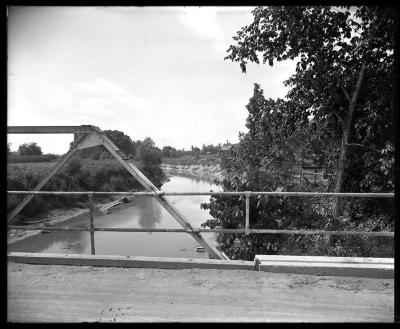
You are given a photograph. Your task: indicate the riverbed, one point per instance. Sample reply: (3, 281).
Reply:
(141, 212)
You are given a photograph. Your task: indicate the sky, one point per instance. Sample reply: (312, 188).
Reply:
(154, 72)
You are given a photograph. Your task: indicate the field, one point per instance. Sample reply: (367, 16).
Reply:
(42, 168)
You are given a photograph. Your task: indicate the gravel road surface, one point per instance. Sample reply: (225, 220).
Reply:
(59, 293)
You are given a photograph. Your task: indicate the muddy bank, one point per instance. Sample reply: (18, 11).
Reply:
(201, 171)
(57, 216)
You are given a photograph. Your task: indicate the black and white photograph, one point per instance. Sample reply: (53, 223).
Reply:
(192, 164)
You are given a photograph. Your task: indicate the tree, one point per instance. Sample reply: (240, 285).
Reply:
(29, 149)
(264, 159)
(344, 72)
(196, 152)
(147, 152)
(150, 156)
(122, 141)
(169, 152)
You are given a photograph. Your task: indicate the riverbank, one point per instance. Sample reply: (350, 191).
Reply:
(202, 171)
(57, 216)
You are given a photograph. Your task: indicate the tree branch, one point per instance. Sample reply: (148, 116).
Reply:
(360, 145)
(345, 93)
(339, 117)
(269, 163)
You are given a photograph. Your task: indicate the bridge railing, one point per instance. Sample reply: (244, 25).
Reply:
(246, 230)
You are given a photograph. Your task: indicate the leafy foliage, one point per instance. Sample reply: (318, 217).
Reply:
(150, 156)
(263, 160)
(343, 86)
(29, 149)
(266, 159)
(331, 54)
(122, 141)
(169, 152)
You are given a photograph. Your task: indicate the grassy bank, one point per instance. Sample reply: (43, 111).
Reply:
(77, 175)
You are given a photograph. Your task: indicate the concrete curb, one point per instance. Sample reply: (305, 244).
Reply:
(380, 268)
(127, 261)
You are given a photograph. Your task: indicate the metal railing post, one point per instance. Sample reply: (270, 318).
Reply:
(92, 249)
(247, 227)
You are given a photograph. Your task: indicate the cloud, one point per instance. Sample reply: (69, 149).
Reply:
(203, 22)
(106, 93)
(101, 98)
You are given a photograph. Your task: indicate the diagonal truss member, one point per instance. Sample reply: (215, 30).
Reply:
(89, 136)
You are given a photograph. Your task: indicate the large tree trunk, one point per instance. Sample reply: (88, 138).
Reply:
(345, 141)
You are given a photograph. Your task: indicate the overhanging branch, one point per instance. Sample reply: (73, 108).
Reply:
(360, 145)
(339, 117)
(345, 93)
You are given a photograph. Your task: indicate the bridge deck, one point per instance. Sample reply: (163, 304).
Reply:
(60, 293)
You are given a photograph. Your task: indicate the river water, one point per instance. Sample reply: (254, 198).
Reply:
(141, 212)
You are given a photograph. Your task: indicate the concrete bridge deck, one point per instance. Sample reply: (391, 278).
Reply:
(62, 293)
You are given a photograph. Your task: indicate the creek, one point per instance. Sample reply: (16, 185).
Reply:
(141, 212)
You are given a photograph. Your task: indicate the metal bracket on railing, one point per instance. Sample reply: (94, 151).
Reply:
(91, 205)
(158, 193)
(247, 227)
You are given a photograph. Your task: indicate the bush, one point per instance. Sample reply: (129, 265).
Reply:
(29, 149)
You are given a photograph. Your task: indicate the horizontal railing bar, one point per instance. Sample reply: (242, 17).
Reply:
(237, 231)
(309, 194)
(118, 229)
(80, 193)
(28, 228)
(49, 129)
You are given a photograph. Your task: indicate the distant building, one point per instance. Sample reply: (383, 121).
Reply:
(226, 146)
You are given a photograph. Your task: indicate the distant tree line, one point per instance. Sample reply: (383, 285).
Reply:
(171, 152)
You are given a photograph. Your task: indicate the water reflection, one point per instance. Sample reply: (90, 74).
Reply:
(149, 212)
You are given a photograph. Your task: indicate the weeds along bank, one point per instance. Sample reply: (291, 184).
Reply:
(78, 175)
(206, 171)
